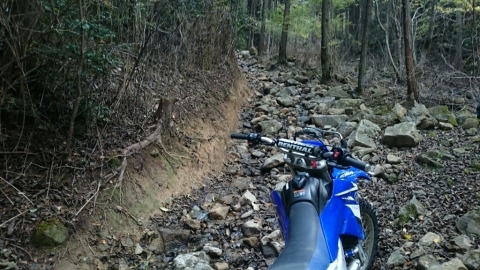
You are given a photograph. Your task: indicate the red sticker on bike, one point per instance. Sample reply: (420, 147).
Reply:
(299, 193)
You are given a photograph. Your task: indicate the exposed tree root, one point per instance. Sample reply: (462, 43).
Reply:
(164, 115)
(156, 136)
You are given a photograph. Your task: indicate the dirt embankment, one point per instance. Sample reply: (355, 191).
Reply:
(153, 177)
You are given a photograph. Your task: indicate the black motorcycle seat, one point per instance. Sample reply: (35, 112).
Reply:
(306, 245)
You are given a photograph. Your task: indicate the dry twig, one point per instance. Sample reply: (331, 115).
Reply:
(93, 196)
(14, 218)
(19, 192)
(31, 258)
(6, 196)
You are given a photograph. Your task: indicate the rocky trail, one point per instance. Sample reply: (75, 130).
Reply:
(426, 198)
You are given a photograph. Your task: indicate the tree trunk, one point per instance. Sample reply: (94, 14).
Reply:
(412, 91)
(262, 43)
(458, 62)
(251, 12)
(474, 34)
(282, 55)
(397, 35)
(325, 51)
(363, 54)
(79, 79)
(360, 20)
(387, 41)
(431, 26)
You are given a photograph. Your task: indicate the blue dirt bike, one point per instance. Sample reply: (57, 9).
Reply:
(324, 223)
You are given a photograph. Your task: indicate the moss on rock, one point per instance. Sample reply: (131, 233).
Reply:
(50, 232)
(442, 114)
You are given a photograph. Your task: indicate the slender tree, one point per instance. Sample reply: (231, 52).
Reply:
(431, 26)
(79, 78)
(474, 34)
(325, 56)
(363, 55)
(458, 62)
(282, 55)
(262, 43)
(387, 39)
(412, 91)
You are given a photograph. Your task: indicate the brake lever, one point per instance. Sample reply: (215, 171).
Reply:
(314, 131)
(309, 131)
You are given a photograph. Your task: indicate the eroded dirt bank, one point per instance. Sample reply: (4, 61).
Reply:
(154, 178)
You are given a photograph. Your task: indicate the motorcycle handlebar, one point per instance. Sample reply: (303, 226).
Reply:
(348, 160)
(257, 138)
(239, 136)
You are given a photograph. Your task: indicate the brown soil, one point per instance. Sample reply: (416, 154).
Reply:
(150, 181)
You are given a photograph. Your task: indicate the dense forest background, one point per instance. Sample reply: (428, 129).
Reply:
(89, 75)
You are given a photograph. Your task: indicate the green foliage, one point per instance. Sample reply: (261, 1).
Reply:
(305, 19)
(117, 36)
(303, 22)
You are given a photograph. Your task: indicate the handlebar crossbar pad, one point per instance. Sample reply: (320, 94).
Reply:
(297, 146)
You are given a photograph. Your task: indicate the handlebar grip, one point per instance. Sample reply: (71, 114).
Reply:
(239, 136)
(355, 163)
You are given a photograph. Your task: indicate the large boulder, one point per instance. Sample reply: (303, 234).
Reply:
(382, 115)
(399, 111)
(50, 232)
(346, 128)
(402, 135)
(321, 105)
(270, 127)
(470, 123)
(274, 161)
(472, 259)
(443, 114)
(337, 92)
(301, 79)
(331, 120)
(365, 135)
(382, 121)
(286, 92)
(453, 264)
(174, 238)
(285, 101)
(252, 227)
(470, 223)
(420, 115)
(272, 244)
(348, 103)
(411, 210)
(463, 114)
(195, 260)
(264, 108)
